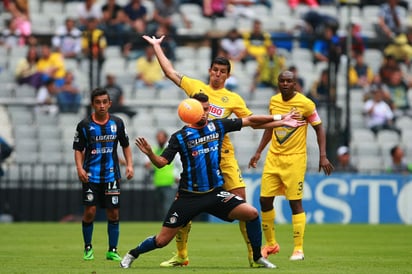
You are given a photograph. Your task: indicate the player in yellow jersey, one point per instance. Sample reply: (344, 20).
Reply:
(222, 104)
(285, 165)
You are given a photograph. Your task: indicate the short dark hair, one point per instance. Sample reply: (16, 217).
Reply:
(201, 97)
(97, 92)
(220, 60)
(393, 149)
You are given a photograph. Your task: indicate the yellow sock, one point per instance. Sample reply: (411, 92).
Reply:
(268, 226)
(242, 226)
(181, 240)
(298, 224)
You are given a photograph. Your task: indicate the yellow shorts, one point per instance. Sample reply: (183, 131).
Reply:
(231, 173)
(283, 175)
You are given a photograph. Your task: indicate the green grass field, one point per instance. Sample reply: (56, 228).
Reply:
(213, 248)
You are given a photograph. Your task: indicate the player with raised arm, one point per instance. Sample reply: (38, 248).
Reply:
(200, 186)
(285, 165)
(223, 104)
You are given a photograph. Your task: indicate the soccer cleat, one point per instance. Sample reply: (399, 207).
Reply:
(262, 263)
(267, 250)
(175, 261)
(113, 255)
(88, 254)
(127, 260)
(297, 256)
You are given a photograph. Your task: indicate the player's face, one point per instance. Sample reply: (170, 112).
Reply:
(218, 75)
(101, 104)
(206, 108)
(287, 84)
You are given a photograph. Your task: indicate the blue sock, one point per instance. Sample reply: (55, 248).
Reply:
(254, 233)
(147, 245)
(87, 229)
(113, 232)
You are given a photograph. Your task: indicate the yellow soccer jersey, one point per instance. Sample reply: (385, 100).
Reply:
(222, 104)
(287, 140)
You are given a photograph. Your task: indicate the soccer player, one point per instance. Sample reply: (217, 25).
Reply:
(95, 152)
(200, 187)
(223, 103)
(285, 165)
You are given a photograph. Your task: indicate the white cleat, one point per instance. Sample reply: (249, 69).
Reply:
(127, 261)
(263, 263)
(297, 256)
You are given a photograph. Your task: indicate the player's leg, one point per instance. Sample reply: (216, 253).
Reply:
(250, 216)
(164, 237)
(294, 179)
(90, 198)
(271, 186)
(235, 184)
(298, 225)
(111, 203)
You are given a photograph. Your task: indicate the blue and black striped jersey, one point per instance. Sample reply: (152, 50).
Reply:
(199, 151)
(99, 142)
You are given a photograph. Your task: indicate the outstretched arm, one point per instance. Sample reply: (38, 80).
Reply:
(269, 121)
(166, 65)
(145, 147)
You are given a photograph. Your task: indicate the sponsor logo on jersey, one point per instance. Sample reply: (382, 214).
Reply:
(216, 111)
(102, 150)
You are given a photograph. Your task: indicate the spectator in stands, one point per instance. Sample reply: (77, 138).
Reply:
(320, 89)
(68, 96)
(391, 21)
(20, 18)
(136, 16)
(378, 113)
(256, 41)
(294, 3)
(234, 45)
(240, 9)
(269, 67)
(88, 9)
(357, 41)
(51, 65)
(344, 161)
(398, 163)
(46, 98)
(327, 48)
(361, 74)
(300, 82)
(389, 65)
(400, 49)
(117, 96)
(214, 8)
(26, 69)
(11, 36)
(164, 14)
(396, 93)
(114, 22)
(67, 39)
(149, 72)
(93, 46)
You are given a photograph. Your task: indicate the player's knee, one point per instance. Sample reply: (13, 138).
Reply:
(265, 204)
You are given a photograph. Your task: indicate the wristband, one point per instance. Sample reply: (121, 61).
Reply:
(277, 117)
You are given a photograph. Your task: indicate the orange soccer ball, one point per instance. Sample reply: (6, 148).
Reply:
(190, 111)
